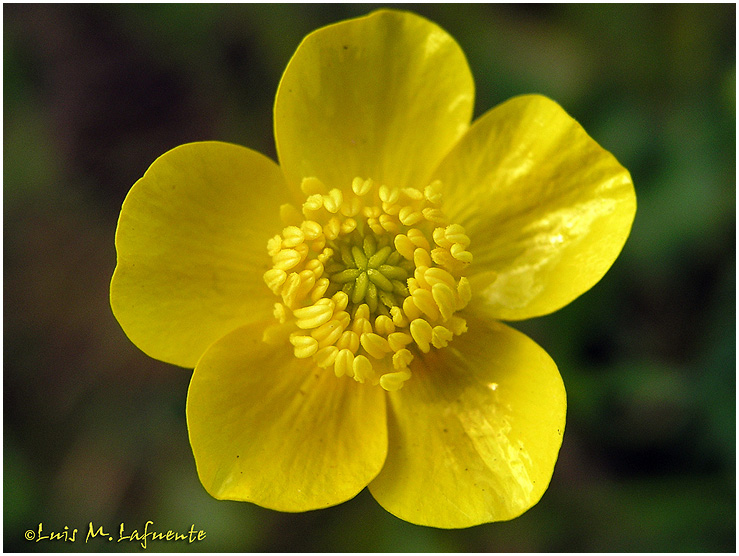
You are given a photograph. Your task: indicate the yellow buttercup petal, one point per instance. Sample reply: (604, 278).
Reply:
(341, 311)
(383, 96)
(473, 438)
(269, 428)
(547, 209)
(191, 243)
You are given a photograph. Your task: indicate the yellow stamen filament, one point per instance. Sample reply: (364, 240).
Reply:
(370, 277)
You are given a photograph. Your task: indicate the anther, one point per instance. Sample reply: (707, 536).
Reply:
(440, 336)
(344, 363)
(422, 332)
(455, 234)
(432, 192)
(361, 187)
(409, 216)
(274, 279)
(326, 357)
(313, 202)
(424, 300)
(394, 381)
(292, 236)
(444, 298)
(458, 252)
(274, 245)
(375, 345)
(314, 315)
(412, 193)
(319, 289)
(286, 259)
(305, 346)
(418, 238)
(362, 369)
(311, 230)
(333, 201)
(398, 340)
(404, 246)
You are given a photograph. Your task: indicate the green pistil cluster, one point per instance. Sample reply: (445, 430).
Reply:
(369, 273)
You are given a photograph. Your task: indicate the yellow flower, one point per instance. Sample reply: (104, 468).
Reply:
(342, 310)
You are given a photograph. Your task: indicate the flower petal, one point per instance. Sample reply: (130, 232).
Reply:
(268, 428)
(192, 248)
(383, 96)
(547, 209)
(474, 435)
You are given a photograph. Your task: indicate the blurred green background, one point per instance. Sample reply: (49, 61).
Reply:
(95, 431)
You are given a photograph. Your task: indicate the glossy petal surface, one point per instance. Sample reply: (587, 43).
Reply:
(547, 209)
(191, 245)
(382, 97)
(269, 428)
(474, 436)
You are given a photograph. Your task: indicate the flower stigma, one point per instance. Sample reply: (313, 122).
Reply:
(369, 278)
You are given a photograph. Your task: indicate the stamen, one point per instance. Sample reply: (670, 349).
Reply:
(440, 336)
(314, 315)
(326, 357)
(394, 381)
(375, 345)
(344, 363)
(421, 332)
(305, 346)
(362, 369)
(286, 259)
(432, 192)
(361, 283)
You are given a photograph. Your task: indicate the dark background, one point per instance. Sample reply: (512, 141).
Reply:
(95, 431)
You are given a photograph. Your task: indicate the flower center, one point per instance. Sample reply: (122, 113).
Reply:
(367, 272)
(370, 277)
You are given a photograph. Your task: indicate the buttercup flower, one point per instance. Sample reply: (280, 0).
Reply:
(342, 310)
